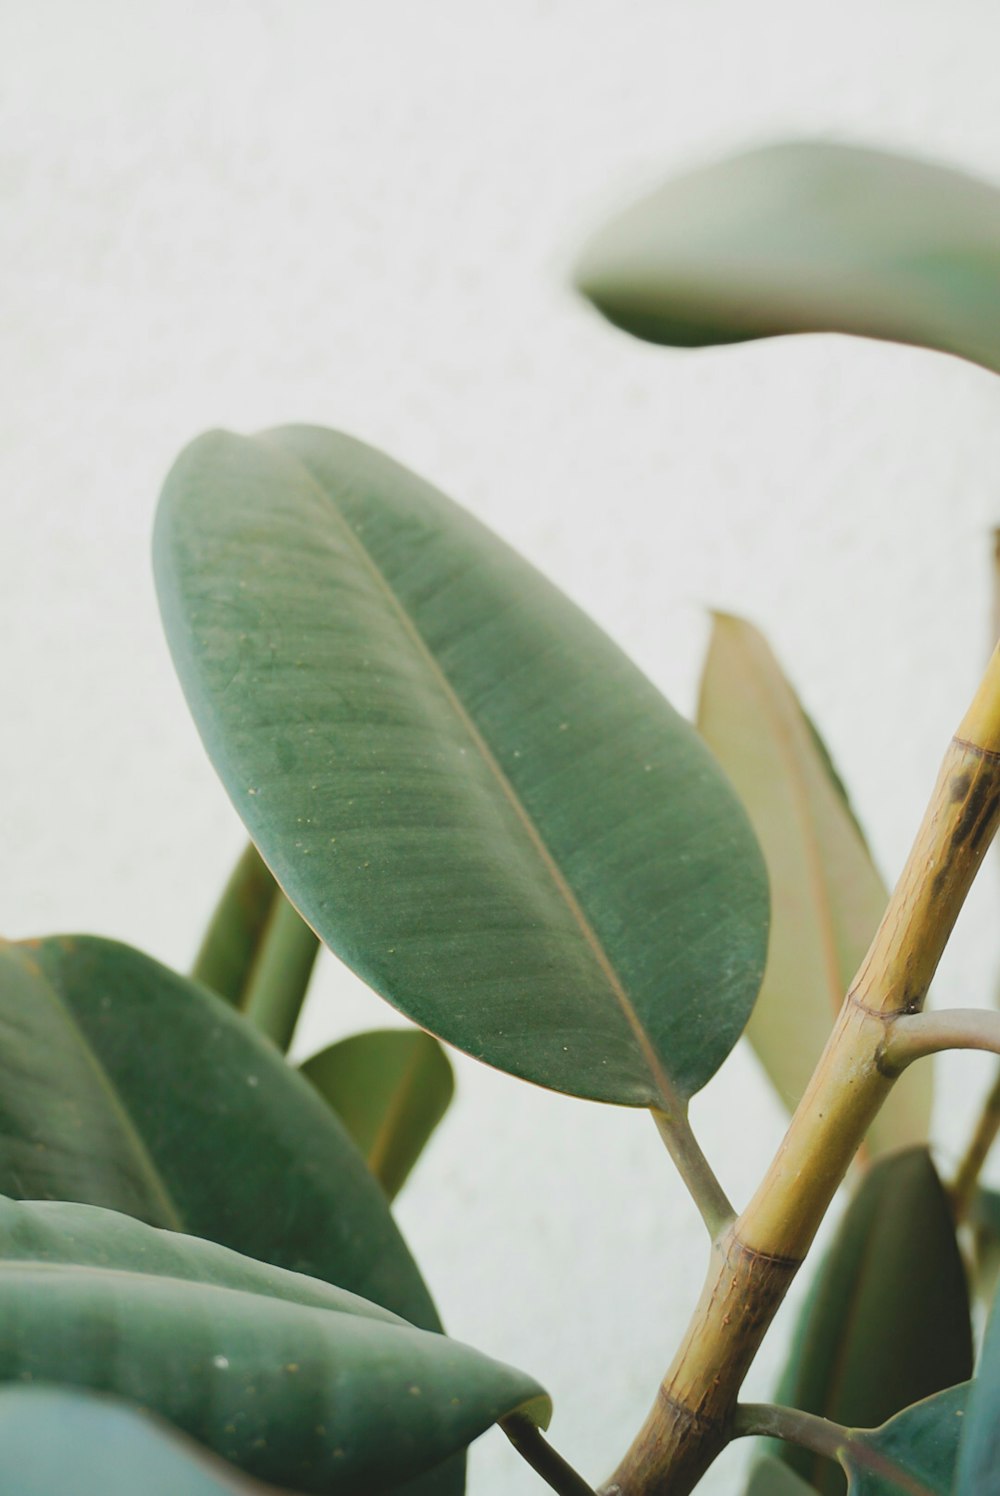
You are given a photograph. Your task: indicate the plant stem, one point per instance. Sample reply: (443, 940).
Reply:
(696, 1172)
(914, 1036)
(967, 1175)
(531, 1445)
(791, 1424)
(755, 1259)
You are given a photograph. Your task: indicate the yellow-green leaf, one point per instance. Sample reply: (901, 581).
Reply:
(390, 1088)
(826, 894)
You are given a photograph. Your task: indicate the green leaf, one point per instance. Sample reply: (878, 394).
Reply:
(127, 1086)
(806, 237)
(826, 895)
(914, 1453)
(978, 1472)
(293, 1380)
(770, 1477)
(258, 953)
(887, 1320)
(464, 787)
(390, 1088)
(55, 1442)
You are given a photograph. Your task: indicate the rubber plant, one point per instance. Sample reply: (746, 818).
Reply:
(457, 783)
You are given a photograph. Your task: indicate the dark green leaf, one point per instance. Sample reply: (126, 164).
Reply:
(978, 1471)
(56, 1442)
(124, 1085)
(770, 1477)
(826, 895)
(467, 790)
(258, 953)
(293, 1380)
(914, 1453)
(806, 237)
(887, 1321)
(390, 1088)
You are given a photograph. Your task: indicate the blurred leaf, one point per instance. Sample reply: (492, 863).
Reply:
(127, 1086)
(390, 1088)
(258, 953)
(978, 1472)
(826, 896)
(467, 790)
(984, 1218)
(806, 236)
(293, 1380)
(914, 1453)
(770, 1477)
(56, 1442)
(887, 1320)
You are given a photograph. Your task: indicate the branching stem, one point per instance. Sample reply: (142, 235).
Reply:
(532, 1446)
(914, 1036)
(755, 1259)
(792, 1425)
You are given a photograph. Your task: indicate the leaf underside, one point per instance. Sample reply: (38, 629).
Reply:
(806, 236)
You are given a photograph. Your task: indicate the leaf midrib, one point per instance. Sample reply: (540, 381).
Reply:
(669, 1097)
(133, 1138)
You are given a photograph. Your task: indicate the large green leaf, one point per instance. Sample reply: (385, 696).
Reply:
(390, 1088)
(978, 1471)
(124, 1085)
(293, 1380)
(914, 1453)
(464, 787)
(806, 237)
(887, 1321)
(826, 895)
(57, 1442)
(258, 953)
(770, 1477)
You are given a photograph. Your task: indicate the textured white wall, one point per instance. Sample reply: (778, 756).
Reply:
(361, 215)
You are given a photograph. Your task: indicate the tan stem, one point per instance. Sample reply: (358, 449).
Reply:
(755, 1258)
(963, 1188)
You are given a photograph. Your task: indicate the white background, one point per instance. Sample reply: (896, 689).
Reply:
(362, 215)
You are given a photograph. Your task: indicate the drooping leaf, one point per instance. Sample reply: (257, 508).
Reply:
(806, 236)
(978, 1472)
(887, 1320)
(124, 1085)
(58, 1442)
(914, 1453)
(390, 1088)
(771, 1477)
(466, 789)
(295, 1381)
(258, 953)
(826, 895)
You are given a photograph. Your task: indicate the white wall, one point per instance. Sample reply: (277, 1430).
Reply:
(361, 215)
